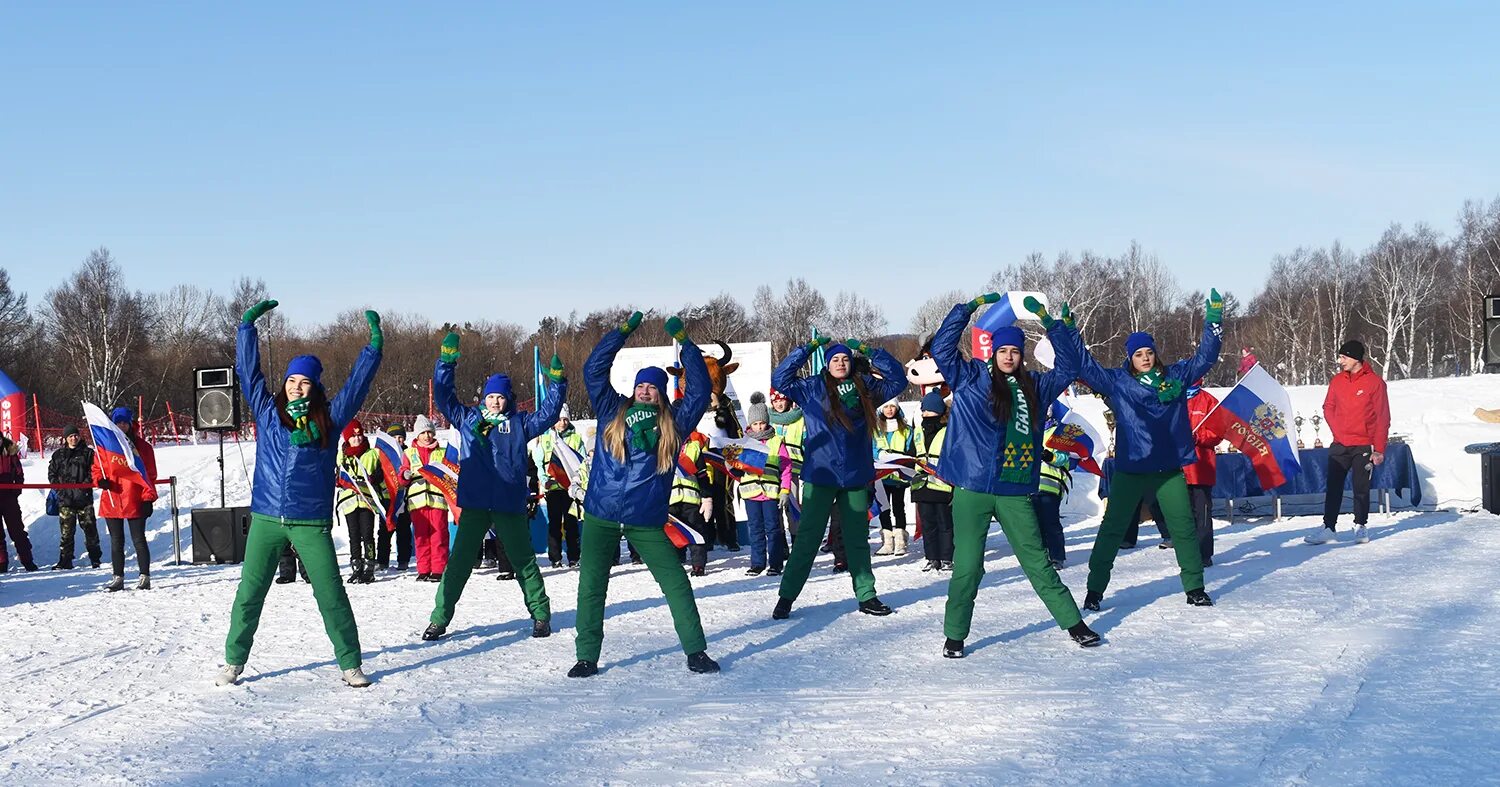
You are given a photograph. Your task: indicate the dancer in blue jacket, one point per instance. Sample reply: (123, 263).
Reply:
(493, 489)
(291, 499)
(634, 460)
(1153, 442)
(838, 407)
(992, 456)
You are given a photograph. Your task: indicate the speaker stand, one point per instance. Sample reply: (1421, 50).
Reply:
(221, 468)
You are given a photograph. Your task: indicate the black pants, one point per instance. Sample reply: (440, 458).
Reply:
(562, 527)
(1201, 500)
(1345, 461)
(725, 527)
(10, 512)
(403, 543)
(117, 544)
(836, 537)
(937, 531)
(290, 565)
(361, 522)
(897, 507)
(1133, 532)
(69, 521)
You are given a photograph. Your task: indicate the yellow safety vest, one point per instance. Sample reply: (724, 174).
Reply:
(791, 435)
(419, 492)
(363, 468)
(547, 444)
(930, 454)
(684, 484)
(769, 483)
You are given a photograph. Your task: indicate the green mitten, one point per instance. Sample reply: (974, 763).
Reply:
(1213, 311)
(258, 310)
(989, 297)
(631, 323)
(555, 369)
(676, 329)
(448, 352)
(377, 339)
(1067, 316)
(1035, 307)
(821, 341)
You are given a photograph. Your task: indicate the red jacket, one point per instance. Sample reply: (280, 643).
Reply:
(1208, 430)
(1357, 410)
(126, 498)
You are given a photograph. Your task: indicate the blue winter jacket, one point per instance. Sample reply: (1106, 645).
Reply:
(976, 440)
(1151, 437)
(494, 479)
(295, 483)
(632, 493)
(833, 456)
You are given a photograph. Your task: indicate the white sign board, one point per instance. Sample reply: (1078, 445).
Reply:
(753, 373)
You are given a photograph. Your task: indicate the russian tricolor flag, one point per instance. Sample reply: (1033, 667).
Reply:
(441, 471)
(116, 454)
(393, 462)
(680, 534)
(1261, 412)
(1003, 313)
(1077, 436)
(566, 465)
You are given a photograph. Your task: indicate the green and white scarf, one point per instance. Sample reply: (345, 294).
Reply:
(1019, 453)
(1166, 388)
(848, 394)
(640, 420)
(305, 431)
(488, 422)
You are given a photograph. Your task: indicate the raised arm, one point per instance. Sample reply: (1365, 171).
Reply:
(892, 372)
(536, 424)
(352, 396)
(945, 344)
(602, 396)
(1191, 370)
(1065, 366)
(785, 378)
(689, 410)
(247, 364)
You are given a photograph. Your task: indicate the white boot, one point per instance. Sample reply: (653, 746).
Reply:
(1320, 535)
(355, 678)
(887, 542)
(900, 547)
(1361, 535)
(229, 675)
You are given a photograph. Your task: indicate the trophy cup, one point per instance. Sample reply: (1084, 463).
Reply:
(1317, 436)
(1298, 421)
(1109, 418)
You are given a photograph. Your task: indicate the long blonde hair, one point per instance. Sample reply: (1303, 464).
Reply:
(666, 447)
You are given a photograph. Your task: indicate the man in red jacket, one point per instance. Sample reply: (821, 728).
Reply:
(1207, 421)
(1360, 417)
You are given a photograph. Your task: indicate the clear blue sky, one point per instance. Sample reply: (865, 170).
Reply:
(507, 160)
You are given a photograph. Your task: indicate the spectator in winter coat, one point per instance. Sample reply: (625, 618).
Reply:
(1154, 442)
(893, 436)
(11, 472)
(562, 525)
(1247, 360)
(691, 501)
(763, 493)
(1052, 488)
(1359, 416)
(635, 457)
(73, 464)
(838, 406)
(933, 495)
(127, 501)
(427, 505)
(291, 498)
(495, 481)
(992, 456)
(358, 497)
(1208, 425)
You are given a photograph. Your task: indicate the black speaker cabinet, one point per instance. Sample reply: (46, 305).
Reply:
(219, 534)
(216, 399)
(1489, 481)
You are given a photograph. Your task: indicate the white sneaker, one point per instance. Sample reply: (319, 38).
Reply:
(1320, 535)
(356, 678)
(1360, 535)
(229, 675)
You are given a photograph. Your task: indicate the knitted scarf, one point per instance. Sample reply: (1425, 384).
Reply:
(848, 394)
(766, 434)
(487, 422)
(787, 418)
(1166, 388)
(305, 431)
(640, 419)
(1019, 453)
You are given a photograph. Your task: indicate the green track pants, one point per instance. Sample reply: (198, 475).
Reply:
(514, 534)
(314, 545)
(1126, 491)
(600, 543)
(817, 505)
(971, 523)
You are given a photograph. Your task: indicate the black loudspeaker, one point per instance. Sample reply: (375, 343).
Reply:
(219, 534)
(216, 399)
(1489, 481)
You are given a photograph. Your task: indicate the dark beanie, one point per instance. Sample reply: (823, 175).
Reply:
(1353, 348)
(70, 430)
(933, 403)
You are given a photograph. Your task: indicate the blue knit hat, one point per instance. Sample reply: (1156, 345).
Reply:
(933, 403)
(122, 415)
(1009, 336)
(655, 375)
(498, 384)
(1137, 341)
(835, 349)
(308, 366)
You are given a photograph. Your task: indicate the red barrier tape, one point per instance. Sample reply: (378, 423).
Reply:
(159, 482)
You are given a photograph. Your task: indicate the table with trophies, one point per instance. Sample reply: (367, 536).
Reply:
(1236, 477)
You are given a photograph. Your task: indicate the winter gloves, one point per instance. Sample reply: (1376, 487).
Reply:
(257, 311)
(857, 346)
(448, 352)
(1035, 307)
(1066, 316)
(631, 323)
(989, 297)
(821, 341)
(676, 329)
(554, 370)
(1213, 311)
(377, 339)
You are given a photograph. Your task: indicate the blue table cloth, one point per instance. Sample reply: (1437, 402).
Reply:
(1236, 478)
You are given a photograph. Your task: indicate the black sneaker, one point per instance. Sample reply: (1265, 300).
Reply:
(873, 606)
(635, 561)
(572, 564)
(434, 632)
(1198, 598)
(1165, 544)
(284, 579)
(946, 565)
(931, 565)
(145, 583)
(1207, 562)
(953, 648)
(840, 567)
(63, 567)
(354, 579)
(1084, 636)
(29, 566)
(541, 628)
(700, 662)
(773, 572)
(505, 575)
(697, 571)
(1091, 601)
(584, 669)
(783, 609)
(754, 572)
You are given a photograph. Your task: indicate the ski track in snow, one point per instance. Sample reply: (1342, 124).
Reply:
(1341, 664)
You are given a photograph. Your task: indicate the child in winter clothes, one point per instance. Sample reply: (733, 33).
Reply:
(401, 529)
(12, 472)
(630, 480)
(357, 499)
(426, 505)
(691, 501)
(838, 406)
(993, 459)
(126, 502)
(73, 464)
(1154, 441)
(933, 495)
(291, 499)
(494, 483)
(1052, 489)
(893, 436)
(763, 493)
(562, 525)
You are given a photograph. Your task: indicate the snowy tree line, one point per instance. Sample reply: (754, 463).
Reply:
(1414, 297)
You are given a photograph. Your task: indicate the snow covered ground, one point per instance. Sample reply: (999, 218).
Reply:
(1341, 664)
